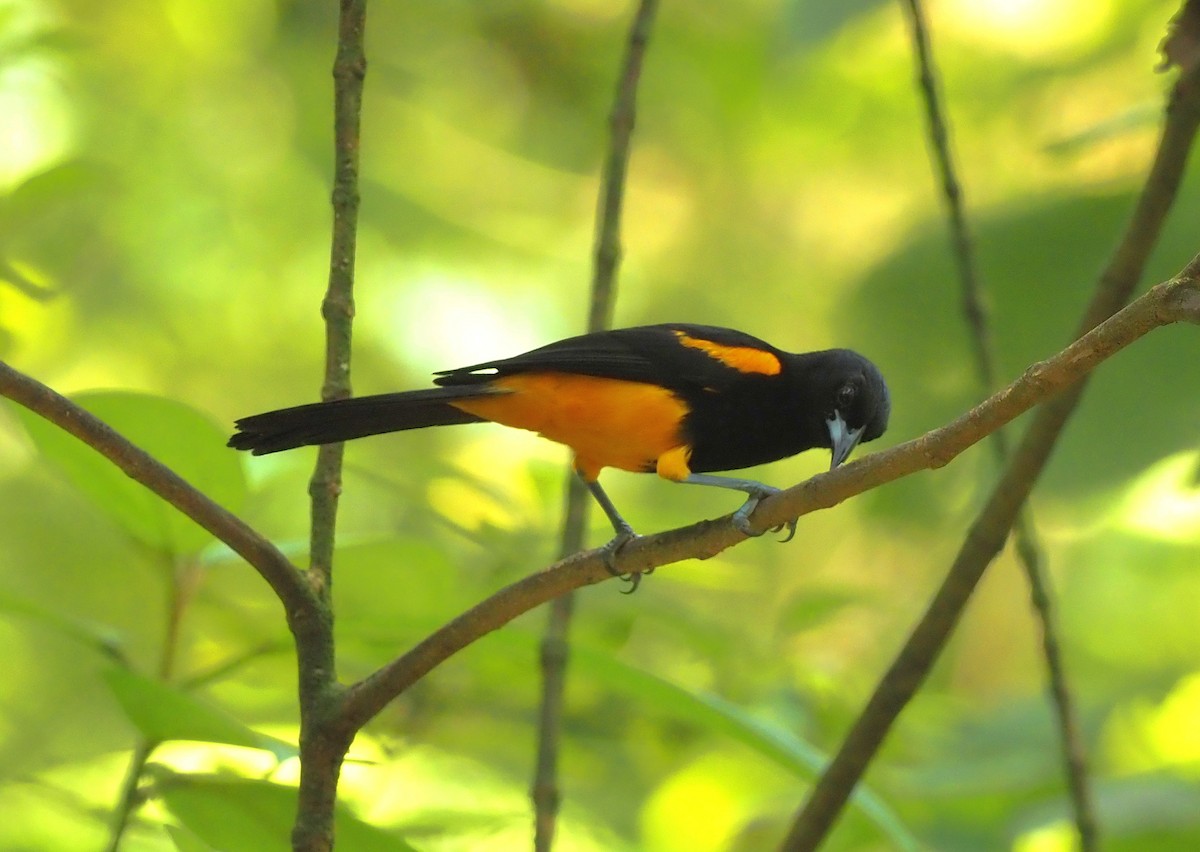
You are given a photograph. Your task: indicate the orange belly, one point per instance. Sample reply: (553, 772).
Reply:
(606, 422)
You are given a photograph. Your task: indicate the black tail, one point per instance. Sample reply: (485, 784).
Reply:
(344, 419)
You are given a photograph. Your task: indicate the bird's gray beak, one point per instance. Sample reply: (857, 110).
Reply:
(842, 439)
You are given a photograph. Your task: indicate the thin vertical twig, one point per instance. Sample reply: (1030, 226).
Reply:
(1029, 553)
(554, 651)
(129, 798)
(337, 307)
(616, 166)
(186, 576)
(991, 528)
(323, 743)
(545, 792)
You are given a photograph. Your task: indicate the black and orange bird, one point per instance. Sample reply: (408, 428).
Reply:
(677, 400)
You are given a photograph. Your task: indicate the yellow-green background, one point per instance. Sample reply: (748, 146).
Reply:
(164, 171)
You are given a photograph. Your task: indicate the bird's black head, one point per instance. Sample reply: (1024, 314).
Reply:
(852, 397)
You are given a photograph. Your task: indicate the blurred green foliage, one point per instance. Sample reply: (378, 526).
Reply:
(164, 182)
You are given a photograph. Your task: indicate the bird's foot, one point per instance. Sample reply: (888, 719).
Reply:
(609, 553)
(791, 530)
(741, 518)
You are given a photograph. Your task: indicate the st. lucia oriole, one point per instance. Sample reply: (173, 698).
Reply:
(677, 400)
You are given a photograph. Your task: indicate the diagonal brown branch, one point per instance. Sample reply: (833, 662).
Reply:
(990, 530)
(1029, 552)
(264, 557)
(1173, 301)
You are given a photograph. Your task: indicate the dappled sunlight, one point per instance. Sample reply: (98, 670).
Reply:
(36, 328)
(1031, 29)
(470, 508)
(38, 129)
(1164, 503)
(500, 462)
(1171, 727)
(1058, 836)
(850, 222)
(405, 786)
(433, 319)
(221, 31)
(1147, 735)
(185, 757)
(696, 809)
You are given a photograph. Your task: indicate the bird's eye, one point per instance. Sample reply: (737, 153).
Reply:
(845, 396)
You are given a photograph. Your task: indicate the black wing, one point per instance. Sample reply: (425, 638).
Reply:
(654, 354)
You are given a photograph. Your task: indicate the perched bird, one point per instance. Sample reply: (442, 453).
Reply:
(675, 399)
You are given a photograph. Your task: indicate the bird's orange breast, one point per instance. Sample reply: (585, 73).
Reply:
(606, 422)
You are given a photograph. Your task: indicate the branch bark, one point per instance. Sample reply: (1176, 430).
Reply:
(323, 744)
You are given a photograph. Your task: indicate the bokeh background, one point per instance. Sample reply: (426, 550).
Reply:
(164, 170)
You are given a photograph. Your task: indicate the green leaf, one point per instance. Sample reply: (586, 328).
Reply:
(1114, 125)
(239, 814)
(721, 717)
(813, 609)
(162, 712)
(179, 436)
(186, 841)
(99, 637)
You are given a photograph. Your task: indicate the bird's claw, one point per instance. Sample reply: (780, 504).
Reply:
(741, 518)
(791, 530)
(609, 554)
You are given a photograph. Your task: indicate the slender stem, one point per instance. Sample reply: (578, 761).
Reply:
(612, 194)
(186, 576)
(555, 644)
(323, 743)
(990, 529)
(129, 799)
(973, 302)
(1029, 552)
(337, 307)
(1074, 754)
(555, 648)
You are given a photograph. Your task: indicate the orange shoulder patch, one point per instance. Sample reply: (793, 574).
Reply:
(744, 359)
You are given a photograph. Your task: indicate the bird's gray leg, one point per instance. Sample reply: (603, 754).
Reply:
(758, 491)
(624, 535)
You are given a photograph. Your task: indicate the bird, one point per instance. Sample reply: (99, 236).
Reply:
(677, 399)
